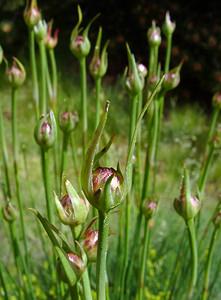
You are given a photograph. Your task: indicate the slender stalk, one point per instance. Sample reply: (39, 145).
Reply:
(102, 255)
(144, 260)
(34, 75)
(3, 283)
(46, 179)
(54, 78)
(194, 256)
(83, 75)
(168, 53)
(98, 101)
(86, 286)
(208, 264)
(215, 116)
(74, 292)
(42, 102)
(63, 156)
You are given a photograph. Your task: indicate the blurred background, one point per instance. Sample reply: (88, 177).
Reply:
(197, 38)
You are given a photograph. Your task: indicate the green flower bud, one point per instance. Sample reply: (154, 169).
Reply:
(186, 205)
(16, 73)
(90, 243)
(172, 79)
(168, 26)
(51, 40)
(216, 100)
(45, 131)
(99, 62)
(41, 30)
(9, 212)
(1, 54)
(153, 35)
(32, 14)
(72, 210)
(68, 121)
(134, 80)
(149, 208)
(152, 82)
(79, 43)
(217, 219)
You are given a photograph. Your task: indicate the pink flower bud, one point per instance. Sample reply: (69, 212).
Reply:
(16, 73)
(90, 243)
(101, 175)
(32, 14)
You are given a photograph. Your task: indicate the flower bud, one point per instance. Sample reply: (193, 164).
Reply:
(186, 205)
(153, 35)
(102, 174)
(90, 243)
(172, 79)
(152, 82)
(68, 121)
(149, 208)
(9, 212)
(217, 219)
(16, 73)
(32, 14)
(1, 54)
(99, 62)
(51, 40)
(168, 26)
(142, 70)
(41, 30)
(217, 100)
(78, 264)
(72, 210)
(45, 131)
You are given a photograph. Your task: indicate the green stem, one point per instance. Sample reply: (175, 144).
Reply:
(3, 283)
(74, 292)
(194, 256)
(46, 179)
(98, 101)
(63, 156)
(168, 53)
(54, 78)
(208, 264)
(144, 260)
(102, 255)
(215, 116)
(42, 102)
(84, 101)
(34, 75)
(86, 286)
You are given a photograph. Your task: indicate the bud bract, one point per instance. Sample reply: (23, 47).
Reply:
(68, 121)
(172, 79)
(168, 26)
(51, 40)
(45, 131)
(153, 35)
(9, 212)
(16, 73)
(149, 208)
(217, 100)
(186, 205)
(72, 209)
(40, 30)
(32, 14)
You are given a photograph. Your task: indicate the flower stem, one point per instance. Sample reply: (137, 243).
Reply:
(63, 156)
(208, 264)
(98, 101)
(168, 53)
(194, 256)
(86, 286)
(84, 100)
(102, 255)
(54, 78)
(213, 124)
(42, 103)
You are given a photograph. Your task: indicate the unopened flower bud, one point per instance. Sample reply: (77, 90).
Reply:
(217, 100)
(32, 14)
(80, 46)
(217, 219)
(142, 70)
(152, 82)
(1, 54)
(90, 243)
(68, 121)
(41, 30)
(72, 209)
(186, 205)
(9, 212)
(16, 73)
(45, 131)
(168, 26)
(101, 175)
(51, 40)
(153, 35)
(149, 208)
(172, 78)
